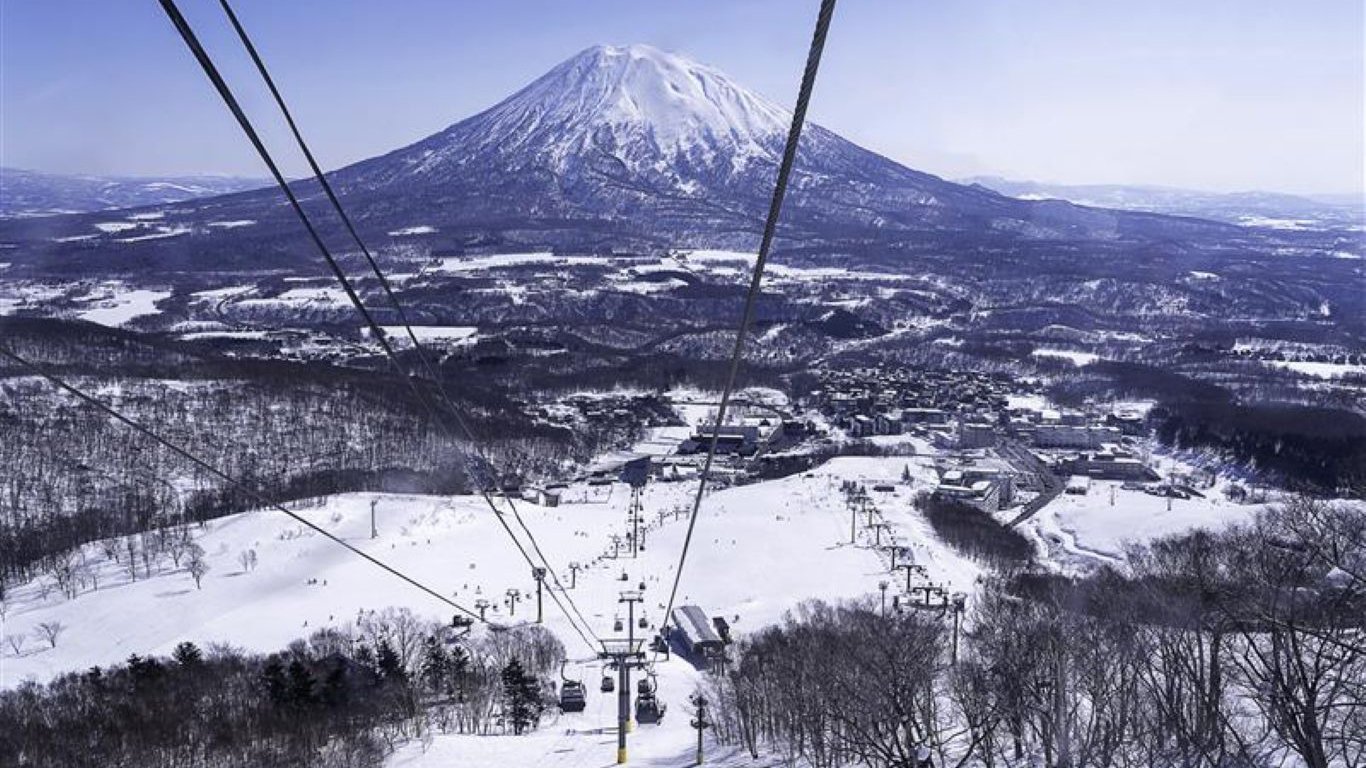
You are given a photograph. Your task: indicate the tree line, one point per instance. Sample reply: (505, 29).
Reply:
(1239, 648)
(287, 431)
(342, 698)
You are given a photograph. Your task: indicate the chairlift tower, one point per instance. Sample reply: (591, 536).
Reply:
(911, 568)
(959, 602)
(625, 654)
(878, 528)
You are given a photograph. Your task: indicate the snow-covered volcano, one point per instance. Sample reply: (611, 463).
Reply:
(635, 103)
(608, 127)
(624, 147)
(658, 143)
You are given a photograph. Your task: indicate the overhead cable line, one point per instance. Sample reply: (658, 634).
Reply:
(225, 92)
(331, 195)
(211, 70)
(186, 454)
(384, 282)
(813, 60)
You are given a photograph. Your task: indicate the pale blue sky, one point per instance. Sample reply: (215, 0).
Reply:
(1212, 94)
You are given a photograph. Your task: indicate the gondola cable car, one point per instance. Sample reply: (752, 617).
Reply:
(648, 708)
(573, 695)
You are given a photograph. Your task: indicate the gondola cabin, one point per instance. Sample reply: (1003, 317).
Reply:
(573, 698)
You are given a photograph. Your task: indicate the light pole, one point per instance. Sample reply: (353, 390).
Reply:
(700, 722)
(882, 587)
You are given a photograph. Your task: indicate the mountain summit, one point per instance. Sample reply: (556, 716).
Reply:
(599, 133)
(635, 103)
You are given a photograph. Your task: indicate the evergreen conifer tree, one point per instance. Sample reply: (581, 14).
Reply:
(273, 676)
(300, 684)
(390, 667)
(521, 697)
(187, 654)
(435, 665)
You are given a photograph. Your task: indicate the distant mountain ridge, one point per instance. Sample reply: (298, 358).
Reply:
(1256, 207)
(34, 193)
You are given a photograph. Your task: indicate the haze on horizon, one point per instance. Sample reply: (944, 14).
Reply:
(1225, 95)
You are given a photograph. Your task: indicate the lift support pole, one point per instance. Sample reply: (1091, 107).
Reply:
(624, 659)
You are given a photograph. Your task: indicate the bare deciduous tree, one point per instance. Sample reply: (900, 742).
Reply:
(196, 564)
(50, 631)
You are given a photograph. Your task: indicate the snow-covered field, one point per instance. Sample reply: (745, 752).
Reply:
(758, 551)
(1077, 358)
(1083, 530)
(458, 264)
(115, 305)
(447, 335)
(1319, 370)
(421, 229)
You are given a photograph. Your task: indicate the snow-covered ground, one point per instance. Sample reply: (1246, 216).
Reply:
(322, 297)
(751, 561)
(1078, 358)
(1319, 370)
(446, 335)
(420, 229)
(1084, 530)
(114, 305)
(758, 550)
(459, 264)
